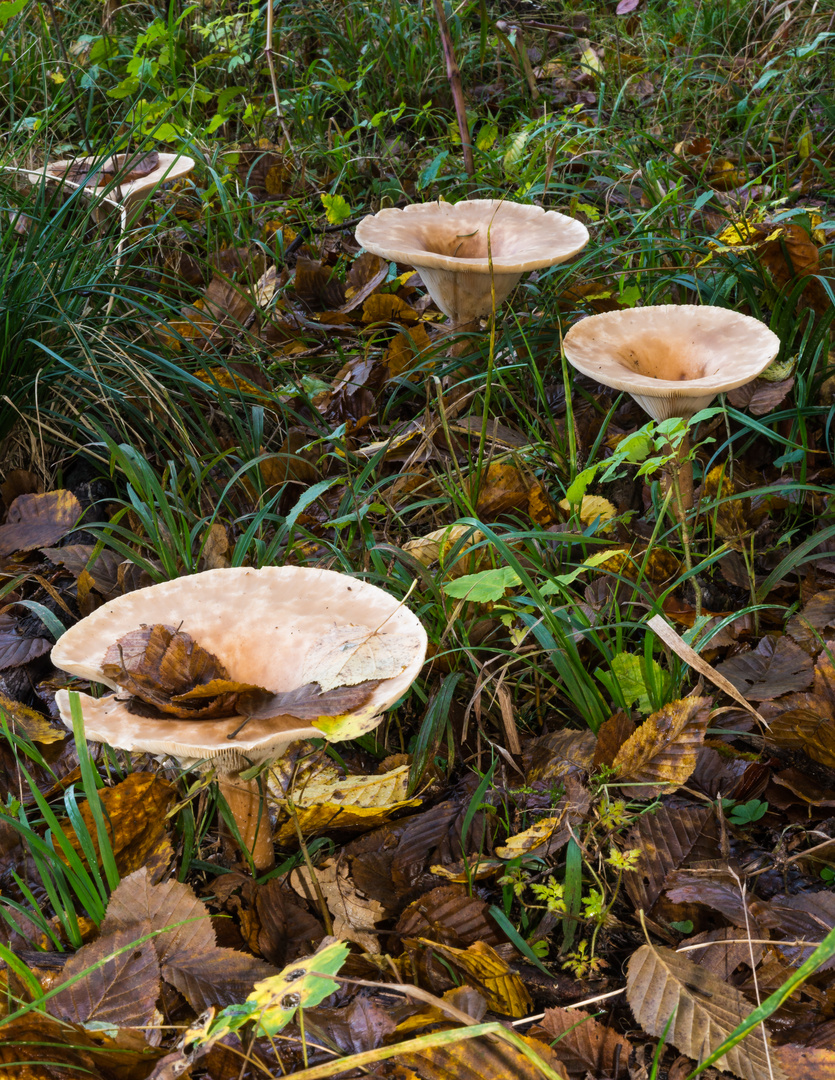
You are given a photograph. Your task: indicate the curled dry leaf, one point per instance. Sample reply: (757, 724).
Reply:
(166, 668)
(354, 914)
(15, 649)
(662, 984)
(772, 669)
(662, 753)
(94, 171)
(665, 839)
(450, 916)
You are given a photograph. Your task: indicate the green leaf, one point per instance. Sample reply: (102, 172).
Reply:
(337, 209)
(558, 582)
(11, 8)
(577, 488)
(487, 135)
(296, 987)
(629, 672)
(485, 587)
(431, 171)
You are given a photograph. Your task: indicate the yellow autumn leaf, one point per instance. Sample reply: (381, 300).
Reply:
(593, 507)
(482, 966)
(437, 545)
(385, 307)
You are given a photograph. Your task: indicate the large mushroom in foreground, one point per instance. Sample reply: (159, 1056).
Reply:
(673, 359)
(302, 653)
(468, 250)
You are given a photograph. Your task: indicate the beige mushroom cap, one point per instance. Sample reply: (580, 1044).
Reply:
(260, 624)
(447, 242)
(170, 167)
(673, 359)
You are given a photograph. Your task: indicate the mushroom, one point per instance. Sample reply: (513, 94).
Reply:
(673, 360)
(106, 182)
(454, 244)
(269, 627)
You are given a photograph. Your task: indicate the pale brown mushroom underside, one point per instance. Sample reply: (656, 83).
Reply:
(673, 359)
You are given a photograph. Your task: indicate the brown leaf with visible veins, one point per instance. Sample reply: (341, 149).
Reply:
(770, 670)
(816, 622)
(122, 990)
(163, 667)
(36, 521)
(664, 988)
(306, 702)
(36, 1046)
(585, 1045)
(478, 1059)
(807, 1062)
(662, 753)
(450, 916)
(15, 649)
(611, 736)
(665, 839)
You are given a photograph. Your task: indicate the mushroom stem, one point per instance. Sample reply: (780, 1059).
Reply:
(245, 801)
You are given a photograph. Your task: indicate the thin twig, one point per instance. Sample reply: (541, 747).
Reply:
(268, 52)
(454, 76)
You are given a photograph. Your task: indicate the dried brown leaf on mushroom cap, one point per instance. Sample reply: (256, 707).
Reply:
(95, 171)
(261, 624)
(672, 358)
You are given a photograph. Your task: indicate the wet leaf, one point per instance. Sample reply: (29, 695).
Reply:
(808, 1062)
(29, 722)
(770, 670)
(662, 753)
(815, 623)
(36, 521)
(661, 984)
(348, 655)
(611, 736)
(121, 990)
(585, 1045)
(386, 308)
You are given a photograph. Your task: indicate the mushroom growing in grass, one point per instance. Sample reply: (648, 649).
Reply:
(123, 178)
(226, 668)
(673, 360)
(468, 250)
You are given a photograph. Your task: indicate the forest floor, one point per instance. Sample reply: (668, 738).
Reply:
(593, 835)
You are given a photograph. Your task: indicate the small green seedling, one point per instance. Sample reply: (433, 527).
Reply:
(744, 813)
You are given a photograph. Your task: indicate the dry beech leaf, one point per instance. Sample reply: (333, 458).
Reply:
(15, 649)
(585, 1045)
(135, 811)
(36, 521)
(161, 666)
(808, 730)
(188, 955)
(551, 758)
(661, 984)
(481, 965)
(665, 839)
(772, 669)
(354, 914)
(405, 349)
(37, 1046)
(726, 950)
(480, 1059)
(553, 832)
(450, 916)
(355, 802)
(362, 1025)
(611, 736)
(815, 623)
(352, 654)
(122, 990)
(662, 753)
(807, 1062)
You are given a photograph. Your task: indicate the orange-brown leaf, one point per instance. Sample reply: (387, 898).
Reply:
(662, 753)
(38, 520)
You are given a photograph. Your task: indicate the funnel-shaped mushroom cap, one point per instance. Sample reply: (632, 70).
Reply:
(261, 625)
(673, 359)
(169, 167)
(447, 242)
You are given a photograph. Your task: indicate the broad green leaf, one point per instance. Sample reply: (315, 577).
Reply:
(296, 987)
(483, 588)
(337, 209)
(629, 671)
